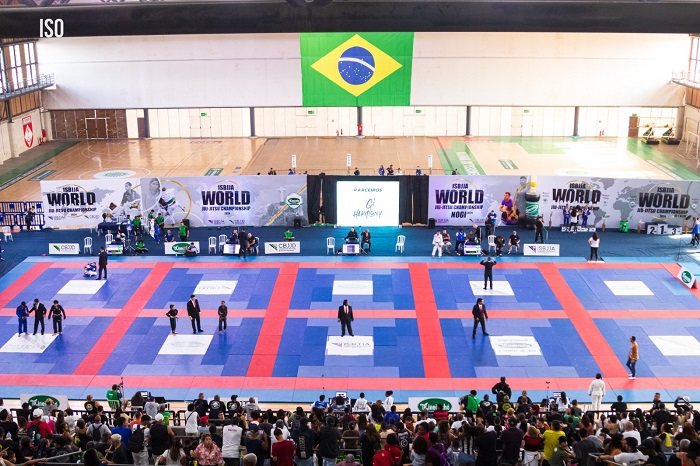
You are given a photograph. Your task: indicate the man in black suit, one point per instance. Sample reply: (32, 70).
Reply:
(39, 312)
(102, 262)
(488, 271)
(193, 311)
(345, 317)
(479, 313)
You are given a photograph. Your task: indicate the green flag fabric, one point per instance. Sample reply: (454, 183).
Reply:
(363, 70)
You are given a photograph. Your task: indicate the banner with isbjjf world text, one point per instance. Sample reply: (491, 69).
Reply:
(465, 200)
(204, 201)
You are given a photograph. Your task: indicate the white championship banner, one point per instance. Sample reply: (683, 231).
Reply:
(465, 200)
(179, 247)
(541, 249)
(368, 203)
(204, 200)
(349, 346)
(84, 202)
(283, 247)
(64, 248)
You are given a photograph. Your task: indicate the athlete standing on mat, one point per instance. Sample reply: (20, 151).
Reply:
(57, 314)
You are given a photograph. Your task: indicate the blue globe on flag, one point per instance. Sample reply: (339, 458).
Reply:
(356, 66)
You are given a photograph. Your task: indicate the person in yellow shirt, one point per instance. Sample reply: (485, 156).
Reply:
(633, 356)
(551, 439)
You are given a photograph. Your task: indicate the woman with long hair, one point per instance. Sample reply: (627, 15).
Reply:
(532, 444)
(594, 243)
(419, 449)
(174, 455)
(368, 440)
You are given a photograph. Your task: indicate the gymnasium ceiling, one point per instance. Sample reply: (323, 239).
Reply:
(21, 18)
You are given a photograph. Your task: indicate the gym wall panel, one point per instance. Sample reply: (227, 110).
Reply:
(5, 149)
(183, 121)
(547, 69)
(691, 121)
(227, 70)
(132, 125)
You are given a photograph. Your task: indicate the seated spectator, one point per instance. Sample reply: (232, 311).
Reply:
(471, 237)
(288, 235)
(366, 239)
(140, 247)
(290, 172)
(351, 236)
(381, 170)
(252, 243)
(169, 238)
(119, 238)
(191, 250)
(390, 170)
(500, 243)
(272, 171)
(356, 172)
(514, 242)
(233, 239)
(446, 243)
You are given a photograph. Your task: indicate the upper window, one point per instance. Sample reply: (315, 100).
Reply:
(694, 68)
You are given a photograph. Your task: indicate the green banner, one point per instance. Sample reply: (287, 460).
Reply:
(349, 70)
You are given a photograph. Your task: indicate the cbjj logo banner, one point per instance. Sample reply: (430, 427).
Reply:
(285, 247)
(64, 248)
(686, 277)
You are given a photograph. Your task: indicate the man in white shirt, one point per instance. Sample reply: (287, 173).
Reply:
(630, 432)
(632, 455)
(361, 405)
(231, 445)
(596, 390)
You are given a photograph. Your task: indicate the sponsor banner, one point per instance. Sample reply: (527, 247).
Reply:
(84, 202)
(515, 346)
(179, 247)
(466, 200)
(39, 401)
(463, 200)
(239, 200)
(686, 277)
(28, 131)
(368, 203)
(64, 248)
(216, 287)
(541, 249)
(449, 403)
(204, 200)
(349, 346)
(283, 247)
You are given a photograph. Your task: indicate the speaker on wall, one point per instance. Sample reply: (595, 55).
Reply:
(297, 223)
(431, 223)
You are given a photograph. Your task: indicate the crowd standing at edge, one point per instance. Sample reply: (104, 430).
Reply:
(493, 429)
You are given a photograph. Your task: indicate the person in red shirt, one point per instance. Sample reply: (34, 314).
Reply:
(283, 450)
(440, 414)
(43, 427)
(392, 446)
(381, 457)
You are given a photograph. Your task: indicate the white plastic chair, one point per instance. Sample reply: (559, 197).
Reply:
(87, 245)
(109, 238)
(8, 233)
(212, 244)
(400, 242)
(492, 243)
(330, 244)
(222, 242)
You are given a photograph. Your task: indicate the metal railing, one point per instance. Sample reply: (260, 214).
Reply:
(14, 89)
(685, 78)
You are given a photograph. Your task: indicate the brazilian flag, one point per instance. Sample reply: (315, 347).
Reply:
(349, 70)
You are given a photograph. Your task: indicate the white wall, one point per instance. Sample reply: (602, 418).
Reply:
(691, 121)
(5, 149)
(191, 123)
(172, 71)
(449, 69)
(547, 69)
(12, 135)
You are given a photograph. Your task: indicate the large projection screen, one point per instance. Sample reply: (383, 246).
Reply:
(368, 203)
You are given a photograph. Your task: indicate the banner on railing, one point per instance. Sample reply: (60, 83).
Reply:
(204, 201)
